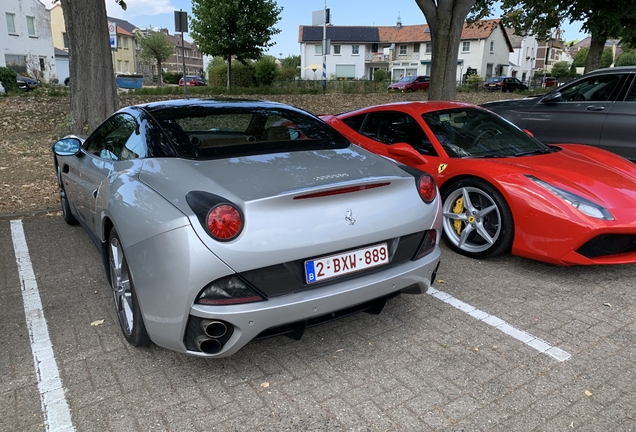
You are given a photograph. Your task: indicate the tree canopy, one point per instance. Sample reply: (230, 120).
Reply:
(234, 28)
(602, 20)
(155, 49)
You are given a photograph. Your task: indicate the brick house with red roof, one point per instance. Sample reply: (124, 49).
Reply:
(357, 52)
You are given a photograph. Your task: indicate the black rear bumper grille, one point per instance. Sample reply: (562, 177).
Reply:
(289, 277)
(608, 244)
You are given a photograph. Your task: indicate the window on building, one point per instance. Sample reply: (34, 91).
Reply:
(125, 41)
(118, 41)
(336, 49)
(31, 26)
(186, 52)
(374, 48)
(492, 46)
(355, 49)
(65, 40)
(318, 49)
(402, 50)
(416, 48)
(16, 62)
(429, 48)
(118, 65)
(465, 46)
(345, 71)
(10, 23)
(42, 63)
(126, 66)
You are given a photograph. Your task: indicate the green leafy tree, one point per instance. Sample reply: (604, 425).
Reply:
(602, 20)
(626, 59)
(445, 19)
(560, 69)
(155, 49)
(580, 57)
(239, 28)
(290, 62)
(607, 58)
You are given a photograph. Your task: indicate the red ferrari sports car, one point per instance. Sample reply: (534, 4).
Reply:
(502, 189)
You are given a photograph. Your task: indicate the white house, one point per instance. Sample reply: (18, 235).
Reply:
(523, 59)
(357, 52)
(26, 43)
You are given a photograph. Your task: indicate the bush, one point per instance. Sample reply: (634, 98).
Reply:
(474, 82)
(171, 77)
(626, 59)
(381, 76)
(242, 75)
(560, 70)
(8, 80)
(265, 71)
(286, 73)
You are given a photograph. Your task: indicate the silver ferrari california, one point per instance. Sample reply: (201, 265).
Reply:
(220, 222)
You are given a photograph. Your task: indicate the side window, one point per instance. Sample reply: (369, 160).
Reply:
(631, 95)
(597, 89)
(396, 127)
(117, 139)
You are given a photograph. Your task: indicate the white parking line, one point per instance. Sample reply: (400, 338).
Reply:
(57, 416)
(499, 324)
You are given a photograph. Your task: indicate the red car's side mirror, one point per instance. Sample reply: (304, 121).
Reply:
(406, 150)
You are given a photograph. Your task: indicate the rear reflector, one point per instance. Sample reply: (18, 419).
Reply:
(342, 191)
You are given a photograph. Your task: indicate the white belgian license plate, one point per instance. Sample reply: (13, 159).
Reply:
(347, 262)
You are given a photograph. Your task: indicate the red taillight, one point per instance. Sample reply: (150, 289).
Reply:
(224, 222)
(427, 188)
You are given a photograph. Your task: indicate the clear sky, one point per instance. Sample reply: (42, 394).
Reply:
(160, 13)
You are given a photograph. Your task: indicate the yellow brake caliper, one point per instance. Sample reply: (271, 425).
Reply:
(459, 208)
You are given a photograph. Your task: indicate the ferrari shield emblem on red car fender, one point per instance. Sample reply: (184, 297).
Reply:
(441, 167)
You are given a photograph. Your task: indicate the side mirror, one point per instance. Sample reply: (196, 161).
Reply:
(67, 147)
(405, 150)
(551, 97)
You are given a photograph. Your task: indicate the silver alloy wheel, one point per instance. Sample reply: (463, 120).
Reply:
(120, 282)
(472, 220)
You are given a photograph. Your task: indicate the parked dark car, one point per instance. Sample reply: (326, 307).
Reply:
(193, 81)
(550, 82)
(410, 84)
(26, 83)
(597, 109)
(505, 84)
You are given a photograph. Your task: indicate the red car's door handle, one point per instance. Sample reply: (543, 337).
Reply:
(595, 108)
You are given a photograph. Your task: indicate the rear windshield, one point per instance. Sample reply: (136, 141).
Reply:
(209, 132)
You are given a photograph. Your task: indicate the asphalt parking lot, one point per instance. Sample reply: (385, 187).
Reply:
(502, 345)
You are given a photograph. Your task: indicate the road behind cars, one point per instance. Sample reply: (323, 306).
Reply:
(420, 365)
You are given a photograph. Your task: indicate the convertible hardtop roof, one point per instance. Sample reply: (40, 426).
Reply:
(212, 103)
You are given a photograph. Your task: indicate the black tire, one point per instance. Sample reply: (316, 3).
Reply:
(481, 228)
(124, 294)
(66, 208)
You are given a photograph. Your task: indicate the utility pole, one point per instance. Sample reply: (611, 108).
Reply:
(324, 49)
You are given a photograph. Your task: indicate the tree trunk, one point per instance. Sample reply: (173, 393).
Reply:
(93, 90)
(446, 21)
(160, 75)
(229, 71)
(597, 45)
